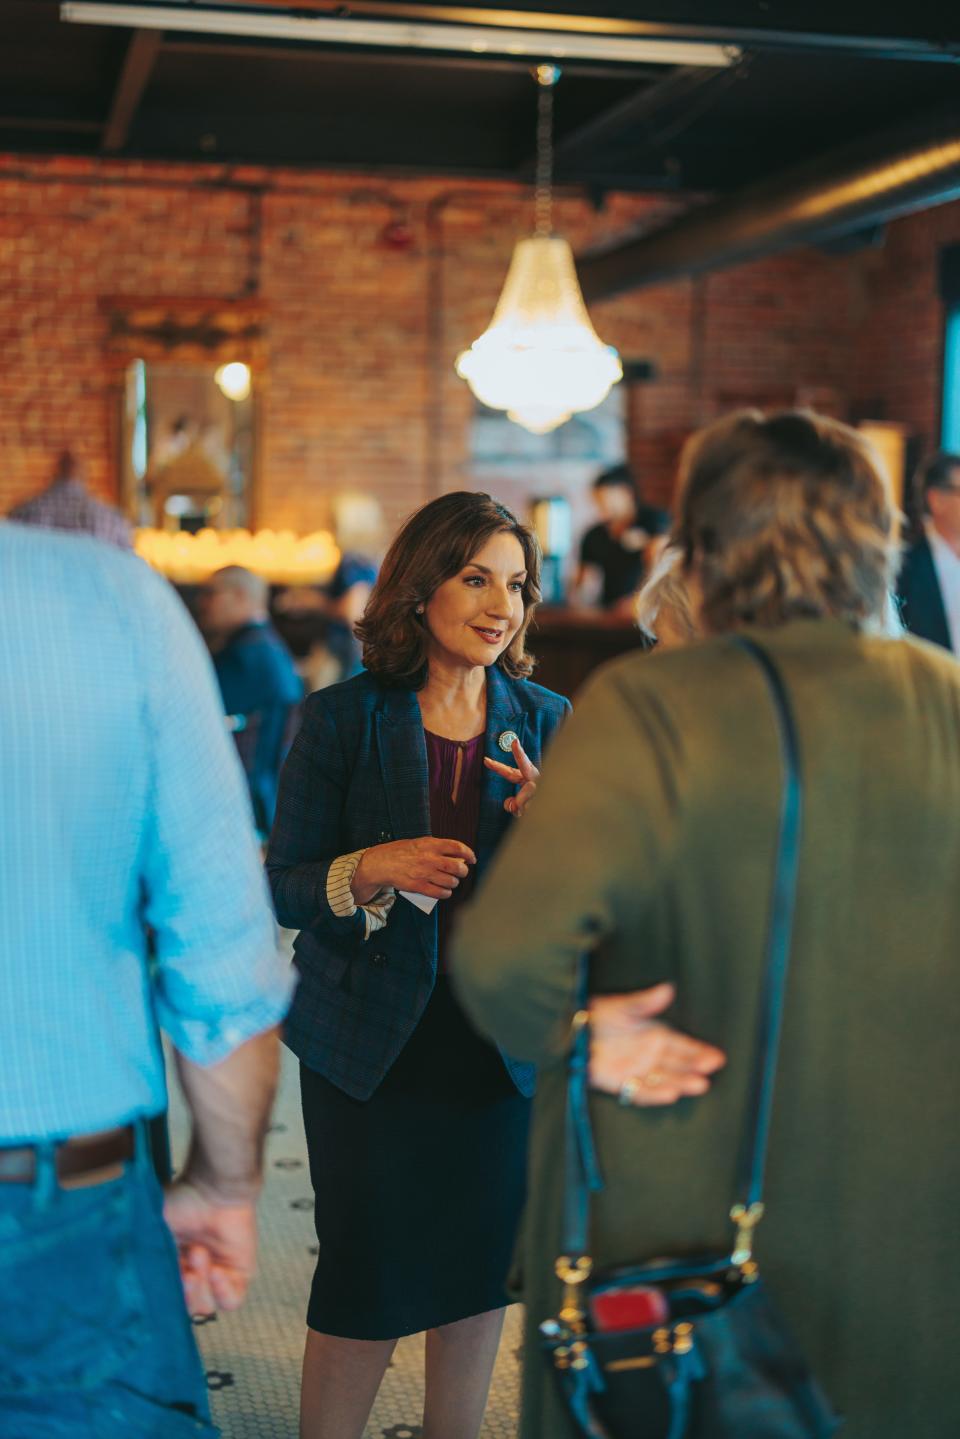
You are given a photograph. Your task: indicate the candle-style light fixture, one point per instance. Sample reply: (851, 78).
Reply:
(541, 359)
(279, 556)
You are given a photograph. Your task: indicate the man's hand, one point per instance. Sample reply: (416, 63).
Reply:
(216, 1246)
(645, 1062)
(210, 1209)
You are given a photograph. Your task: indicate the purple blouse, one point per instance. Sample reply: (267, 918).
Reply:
(456, 774)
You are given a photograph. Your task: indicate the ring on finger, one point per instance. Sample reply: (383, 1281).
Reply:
(628, 1091)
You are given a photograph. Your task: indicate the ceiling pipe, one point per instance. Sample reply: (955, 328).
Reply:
(863, 183)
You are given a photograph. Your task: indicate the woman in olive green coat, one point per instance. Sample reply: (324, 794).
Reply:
(651, 844)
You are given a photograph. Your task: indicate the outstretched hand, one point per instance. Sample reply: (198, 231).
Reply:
(635, 1055)
(523, 773)
(216, 1246)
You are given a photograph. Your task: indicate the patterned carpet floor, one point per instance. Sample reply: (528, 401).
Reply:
(252, 1357)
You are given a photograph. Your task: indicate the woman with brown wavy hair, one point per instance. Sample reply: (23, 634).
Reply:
(391, 803)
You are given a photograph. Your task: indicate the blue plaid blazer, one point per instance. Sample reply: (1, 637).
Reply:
(357, 776)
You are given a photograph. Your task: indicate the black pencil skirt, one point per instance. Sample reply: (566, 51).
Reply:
(418, 1190)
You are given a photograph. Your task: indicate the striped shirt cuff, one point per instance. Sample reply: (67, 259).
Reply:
(340, 896)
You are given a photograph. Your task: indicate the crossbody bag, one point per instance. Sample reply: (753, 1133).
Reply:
(690, 1347)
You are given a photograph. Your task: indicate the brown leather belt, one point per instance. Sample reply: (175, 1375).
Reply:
(80, 1158)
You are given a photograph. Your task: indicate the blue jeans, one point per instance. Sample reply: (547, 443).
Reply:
(95, 1340)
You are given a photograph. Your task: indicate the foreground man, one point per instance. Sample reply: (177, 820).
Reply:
(123, 808)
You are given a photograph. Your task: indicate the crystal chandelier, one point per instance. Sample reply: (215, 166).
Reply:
(541, 359)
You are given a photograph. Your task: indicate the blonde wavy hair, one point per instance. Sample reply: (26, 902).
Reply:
(786, 518)
(663, 602)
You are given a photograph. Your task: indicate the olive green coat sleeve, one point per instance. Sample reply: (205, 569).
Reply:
(604, 821)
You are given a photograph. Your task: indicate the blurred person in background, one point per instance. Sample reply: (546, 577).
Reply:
(348, 592)
(397, 791)
(669, 775)
(615, 552)
(258, 679)
(124, 808)
(929, 584)
(320, 619)
(359, 526)
(66, 504)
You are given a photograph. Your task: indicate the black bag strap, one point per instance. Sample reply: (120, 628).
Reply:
(581, 1169)
(753, 1154)
(582, 1173)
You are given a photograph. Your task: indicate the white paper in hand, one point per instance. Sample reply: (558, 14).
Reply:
(422, 901)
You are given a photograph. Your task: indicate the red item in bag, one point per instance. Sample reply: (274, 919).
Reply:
(632, 1308)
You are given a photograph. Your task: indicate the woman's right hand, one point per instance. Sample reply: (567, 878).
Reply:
(424, 866)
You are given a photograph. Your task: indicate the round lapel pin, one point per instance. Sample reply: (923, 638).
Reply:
(507, 740)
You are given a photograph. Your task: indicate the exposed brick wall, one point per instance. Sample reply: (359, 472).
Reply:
(358, 388)
(900, 321)
(63, 246)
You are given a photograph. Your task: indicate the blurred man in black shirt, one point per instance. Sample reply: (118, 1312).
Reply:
(618, 546)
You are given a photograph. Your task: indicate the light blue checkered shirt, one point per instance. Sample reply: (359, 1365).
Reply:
(122, 804)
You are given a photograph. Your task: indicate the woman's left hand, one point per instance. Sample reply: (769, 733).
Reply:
(635, 1055)
(525, 774)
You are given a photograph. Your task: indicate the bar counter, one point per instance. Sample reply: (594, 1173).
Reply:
(570, 643)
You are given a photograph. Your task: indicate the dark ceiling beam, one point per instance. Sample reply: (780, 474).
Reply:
(864, 183)
(753, 37)
(676, 87)
(47, 122)
(134, 76)
(233, 47)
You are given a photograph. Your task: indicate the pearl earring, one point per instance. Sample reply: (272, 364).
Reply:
(419, 609)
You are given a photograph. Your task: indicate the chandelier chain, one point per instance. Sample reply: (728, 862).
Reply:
(543, 202)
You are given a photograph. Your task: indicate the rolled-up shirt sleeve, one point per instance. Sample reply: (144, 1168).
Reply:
(376, 911)
(219, 977)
